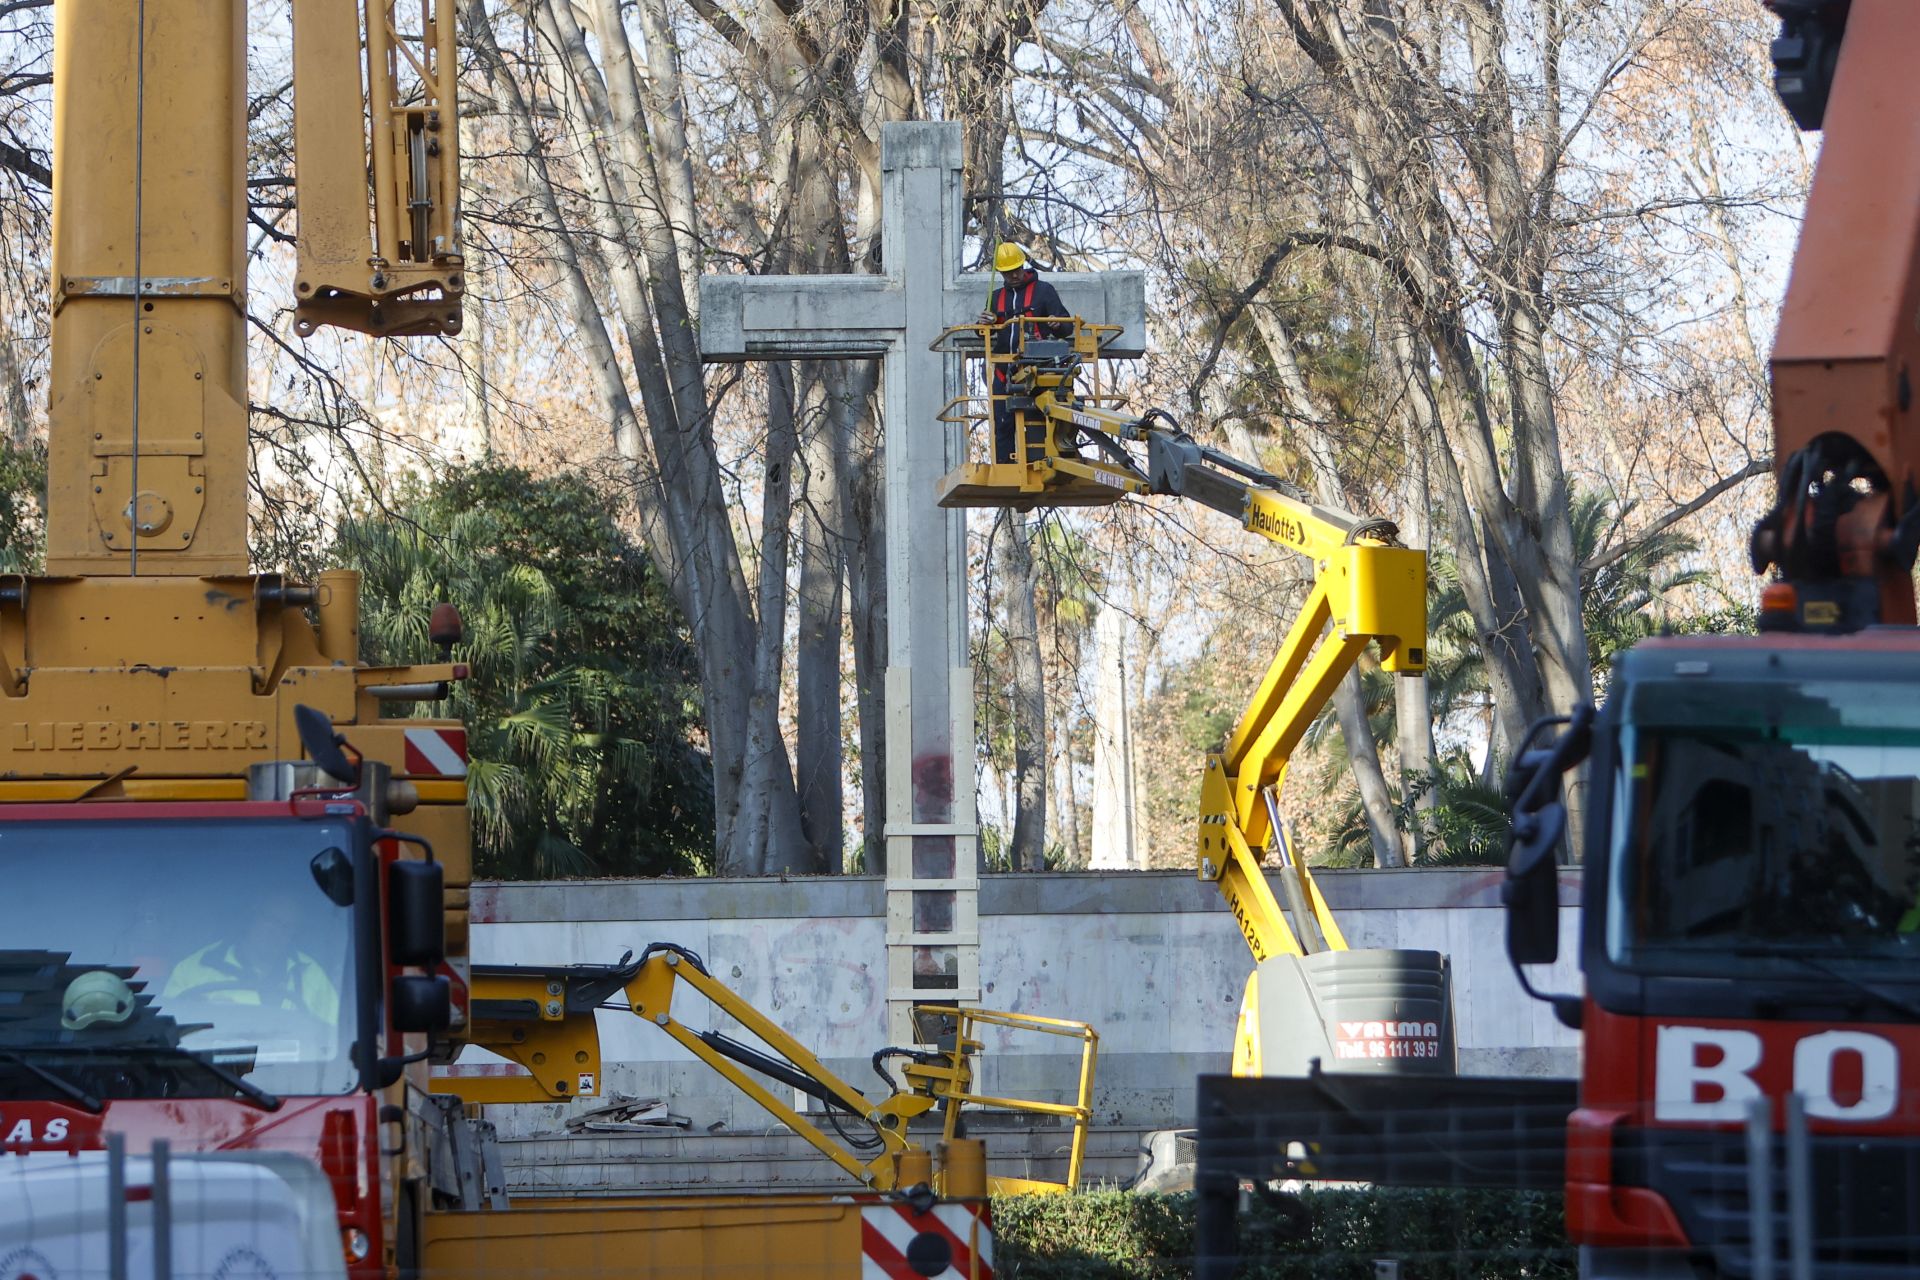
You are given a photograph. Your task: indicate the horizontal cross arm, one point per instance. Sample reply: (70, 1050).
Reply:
(827, 317)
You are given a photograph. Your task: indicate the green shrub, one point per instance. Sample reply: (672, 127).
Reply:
(1323, 1235)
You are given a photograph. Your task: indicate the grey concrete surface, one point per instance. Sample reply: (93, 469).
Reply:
(1054, 893)
(1151, 959)
(673, 1162)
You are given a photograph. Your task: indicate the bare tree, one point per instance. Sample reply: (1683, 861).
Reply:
(634, 218)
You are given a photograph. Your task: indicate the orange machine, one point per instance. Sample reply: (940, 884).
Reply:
(1847, 524)
(1750, 939)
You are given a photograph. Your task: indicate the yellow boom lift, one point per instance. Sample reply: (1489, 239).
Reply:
(1077, 446)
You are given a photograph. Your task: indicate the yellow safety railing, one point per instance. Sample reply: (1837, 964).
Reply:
(1080, 1111)
(1042, 374)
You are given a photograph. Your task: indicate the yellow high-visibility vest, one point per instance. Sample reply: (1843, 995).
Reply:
(305, 987)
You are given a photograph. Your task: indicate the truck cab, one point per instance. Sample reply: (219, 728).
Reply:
(1750, 934)
(237, 976)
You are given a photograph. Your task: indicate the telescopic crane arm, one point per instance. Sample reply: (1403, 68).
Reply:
(147, 420)
(1072, 450)
(403, 150)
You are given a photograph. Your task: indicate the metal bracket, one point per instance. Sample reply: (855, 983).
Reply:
(145, 287)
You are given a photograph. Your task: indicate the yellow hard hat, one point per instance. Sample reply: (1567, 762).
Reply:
(1009, 257)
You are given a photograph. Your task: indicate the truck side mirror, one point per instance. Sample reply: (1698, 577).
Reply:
(421, 1002)
(1532, 890)
(324, 746)
(416, 914)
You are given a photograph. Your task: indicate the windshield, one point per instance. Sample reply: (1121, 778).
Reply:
(230, 938)
(1758, 822)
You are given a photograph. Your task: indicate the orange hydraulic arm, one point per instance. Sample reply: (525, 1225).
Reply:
(1846, 446)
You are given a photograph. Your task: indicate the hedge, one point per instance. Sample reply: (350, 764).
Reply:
(1319, 1235)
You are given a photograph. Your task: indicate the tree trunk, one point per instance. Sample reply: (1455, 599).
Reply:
(19, 413)
(762, 827)
(818, 752)
(862, 464)
(1363, 756)
(1067, 801)
(1115, 826)
(659, 91)
(1027, 847)
(1376, 804)
(1521, 228)
(1391, 109)
(477, 411)
(686, 523)
(1513, 678)
(471, 345)
(1512, 674)
(819, 246)
(1412, 711)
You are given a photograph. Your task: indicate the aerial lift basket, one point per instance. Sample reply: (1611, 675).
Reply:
(1054, 464)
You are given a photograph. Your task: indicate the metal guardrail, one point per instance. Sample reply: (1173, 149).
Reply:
(1080, 1111)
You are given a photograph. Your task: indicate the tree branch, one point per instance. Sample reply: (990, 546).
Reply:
(22, 162)
(272, 232)
(1230, 314)
(1759, 466)
(728, 28)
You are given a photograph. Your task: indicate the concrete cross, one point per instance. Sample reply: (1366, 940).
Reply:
(932, 835)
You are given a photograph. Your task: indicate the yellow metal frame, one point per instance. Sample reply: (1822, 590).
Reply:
(1042, 473)
(747, 1236)
(379, 242)
(650, 995)
(559, 1046)
(953, 1087)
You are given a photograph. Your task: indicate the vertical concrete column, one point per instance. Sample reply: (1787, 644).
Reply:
(933, 876)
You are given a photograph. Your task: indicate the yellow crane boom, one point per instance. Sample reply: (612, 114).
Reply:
(405, 155)
(155, 685)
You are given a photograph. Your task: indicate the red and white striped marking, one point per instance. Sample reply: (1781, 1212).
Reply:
(948, 1242)
(437, 752)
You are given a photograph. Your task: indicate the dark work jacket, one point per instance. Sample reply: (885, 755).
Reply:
(1034, 298)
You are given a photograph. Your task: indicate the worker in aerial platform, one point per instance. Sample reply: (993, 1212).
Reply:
(1021, 293)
